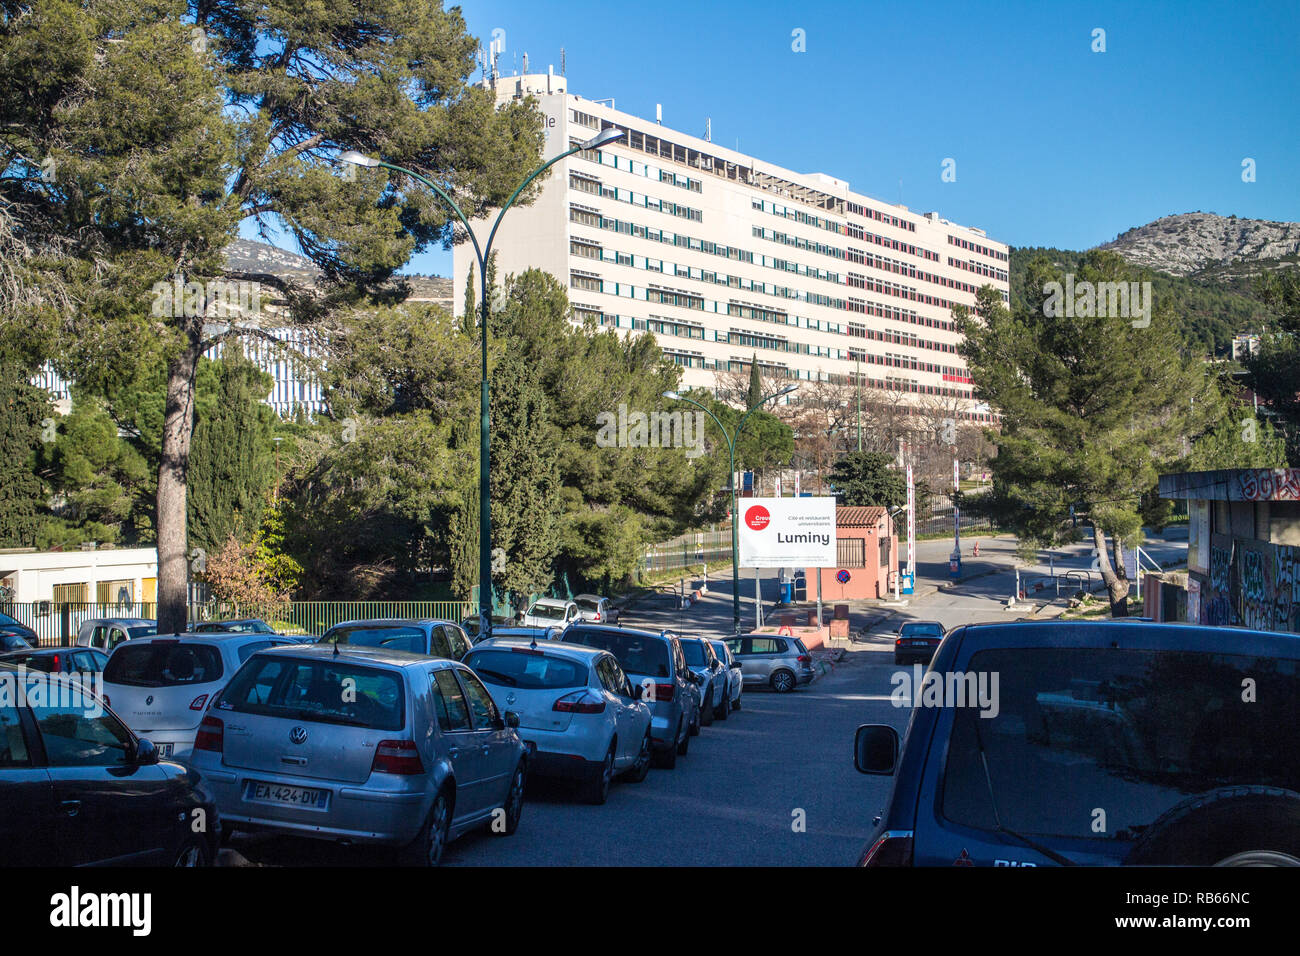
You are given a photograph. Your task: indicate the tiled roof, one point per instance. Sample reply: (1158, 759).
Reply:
(858, 517)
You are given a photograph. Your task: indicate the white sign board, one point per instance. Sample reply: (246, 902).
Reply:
(787, 532)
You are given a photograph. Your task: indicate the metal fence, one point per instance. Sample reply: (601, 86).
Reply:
(58, 622)
(692, 548)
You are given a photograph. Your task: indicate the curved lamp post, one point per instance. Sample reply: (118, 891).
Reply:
(483, 253)
(735, 517)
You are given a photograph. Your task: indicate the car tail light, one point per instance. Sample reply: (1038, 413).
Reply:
(898, 641)
(397, 756)
(211, 735)
(891, 848)
(580, 702)
(198, 702)
(805, 659)
(597, 617)
(664, 692)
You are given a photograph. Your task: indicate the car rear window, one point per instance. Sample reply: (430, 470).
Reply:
(1131, 731)
(586, 603)
(143, 630)
(330, 692)
(547, 611)
(694, 652)
(636, 653)
(526, 670)
(33, 662)
(163, 664)
(396, 637)
(921, 630)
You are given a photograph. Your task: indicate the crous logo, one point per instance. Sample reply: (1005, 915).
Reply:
(758, 517)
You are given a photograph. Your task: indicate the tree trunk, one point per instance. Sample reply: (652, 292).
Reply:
(178, 430)
(1116, 586)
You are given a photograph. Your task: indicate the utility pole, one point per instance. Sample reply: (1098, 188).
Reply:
(857, 375)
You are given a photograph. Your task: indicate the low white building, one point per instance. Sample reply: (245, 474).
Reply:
(100, 576)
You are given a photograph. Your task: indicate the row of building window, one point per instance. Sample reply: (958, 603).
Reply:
(978, 267)
(975, 247)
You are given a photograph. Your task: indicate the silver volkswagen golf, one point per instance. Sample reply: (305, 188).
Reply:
(361, 745)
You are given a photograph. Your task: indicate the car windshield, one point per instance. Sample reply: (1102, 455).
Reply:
(921, 629)
(694, 652)
(163, 664)
(1131, 731)
(332, 692)
(526, 669)
(13, 642)
(142, 630)
(636, 653)
(396, 637)
(552, 611)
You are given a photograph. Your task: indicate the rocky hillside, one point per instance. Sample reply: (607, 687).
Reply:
(1197, 242)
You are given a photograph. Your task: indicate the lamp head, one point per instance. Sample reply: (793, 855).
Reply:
(357, 159)
(603, 137)
(672, 396)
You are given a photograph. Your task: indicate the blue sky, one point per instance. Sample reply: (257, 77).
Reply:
(1054, 144)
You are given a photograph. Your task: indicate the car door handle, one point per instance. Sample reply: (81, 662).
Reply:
(487, 748)
(71, 807)
(453, 751)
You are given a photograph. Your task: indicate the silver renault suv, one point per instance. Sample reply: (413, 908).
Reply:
(361, 745)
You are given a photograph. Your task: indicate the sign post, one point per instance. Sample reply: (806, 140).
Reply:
(910, 583)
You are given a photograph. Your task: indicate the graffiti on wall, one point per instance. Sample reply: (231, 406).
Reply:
(1217, 605)
(1269, 484)
(1256, 605)
(1286, 588)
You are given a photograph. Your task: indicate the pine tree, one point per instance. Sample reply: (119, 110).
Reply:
(23, 409)
(755, 384)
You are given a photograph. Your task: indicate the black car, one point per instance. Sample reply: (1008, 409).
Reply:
(58, 660)
(247, 625)
(15, 635)
(916, 641)
(1055, 743)
(78, 787)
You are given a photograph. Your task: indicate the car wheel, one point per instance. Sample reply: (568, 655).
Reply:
(637, 772)
(427, 848)
(193, 852)
(723, 709)
(783, 682)
(706, 711)
(736, 704)
(514, 801)
(684, 743)
(598, 787)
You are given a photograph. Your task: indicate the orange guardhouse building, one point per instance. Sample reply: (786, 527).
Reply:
(866, 552)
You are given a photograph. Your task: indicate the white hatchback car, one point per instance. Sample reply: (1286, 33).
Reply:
(578, 713)
(160, 686)
(551, 612)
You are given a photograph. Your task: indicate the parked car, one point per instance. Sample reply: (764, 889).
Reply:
(12, 627)
(598, 610)
(470, 625)
(916, 641)
(58, 660)
(550, 612)
(714, 678)
(656, 663)
(105, 633)
(430, 637)
(161, 685)
(1147, 721)
(417, 753)
(246, 625)
(735, 679)
(768, 660)
(579, 714)
(80, 788)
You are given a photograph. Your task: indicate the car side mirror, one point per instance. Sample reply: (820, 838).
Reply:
(512, 719)
(146, 754)
(875, 749)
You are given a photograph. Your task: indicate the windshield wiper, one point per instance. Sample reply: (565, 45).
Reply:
(997, 818)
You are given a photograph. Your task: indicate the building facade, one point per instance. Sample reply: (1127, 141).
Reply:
(724, 257)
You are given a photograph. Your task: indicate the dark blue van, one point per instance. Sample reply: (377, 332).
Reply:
(1094, 743)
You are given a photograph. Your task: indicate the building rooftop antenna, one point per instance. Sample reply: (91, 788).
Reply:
(562, 73)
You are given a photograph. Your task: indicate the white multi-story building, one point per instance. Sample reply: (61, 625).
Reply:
(725, 257)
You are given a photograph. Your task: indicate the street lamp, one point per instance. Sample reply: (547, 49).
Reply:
(483, 253)
(731, 450)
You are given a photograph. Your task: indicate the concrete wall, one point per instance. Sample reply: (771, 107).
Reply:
(32, 575)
